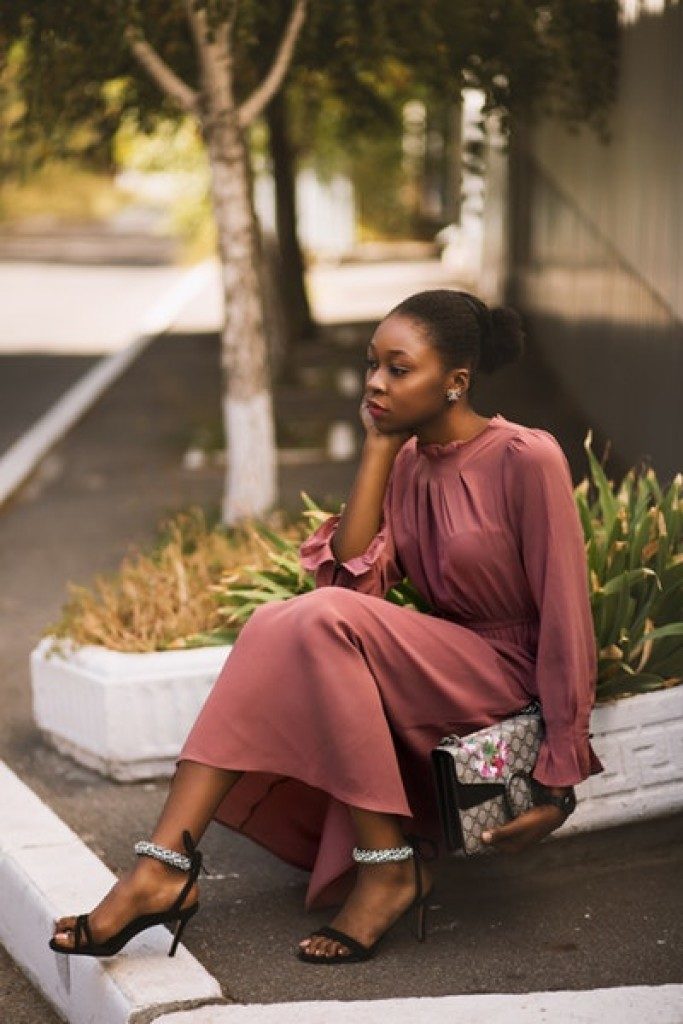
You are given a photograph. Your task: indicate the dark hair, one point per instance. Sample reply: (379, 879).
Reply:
(464, 330)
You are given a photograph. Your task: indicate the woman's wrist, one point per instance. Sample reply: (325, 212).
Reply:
(555, 790)
(383, 446)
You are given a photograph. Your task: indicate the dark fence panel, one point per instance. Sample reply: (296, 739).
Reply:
(596, 234)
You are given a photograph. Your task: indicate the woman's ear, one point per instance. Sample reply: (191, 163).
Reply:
(459, 379)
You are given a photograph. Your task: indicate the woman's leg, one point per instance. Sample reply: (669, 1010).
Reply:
(382, 891)
(150, 886)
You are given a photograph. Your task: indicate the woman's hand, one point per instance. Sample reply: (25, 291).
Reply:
(373, 434)
(528, 828)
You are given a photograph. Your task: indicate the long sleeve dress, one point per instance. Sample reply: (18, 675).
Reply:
(337, 697)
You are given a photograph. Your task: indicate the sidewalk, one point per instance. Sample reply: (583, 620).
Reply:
(595, 911)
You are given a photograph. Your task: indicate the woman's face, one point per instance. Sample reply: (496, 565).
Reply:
(405, 378)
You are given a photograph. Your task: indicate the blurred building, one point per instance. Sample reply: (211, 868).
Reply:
(592, 248)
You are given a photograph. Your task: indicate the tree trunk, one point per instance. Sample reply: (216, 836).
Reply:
(251, 484)
(293, 287)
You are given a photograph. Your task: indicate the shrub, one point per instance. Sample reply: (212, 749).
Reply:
(201, 585)
(157, 599)
(634, 548)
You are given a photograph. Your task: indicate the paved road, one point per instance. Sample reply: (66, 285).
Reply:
(598, 910)
(108, 484)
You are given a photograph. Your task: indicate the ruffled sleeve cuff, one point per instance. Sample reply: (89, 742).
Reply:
(566, 757)
(316, 553)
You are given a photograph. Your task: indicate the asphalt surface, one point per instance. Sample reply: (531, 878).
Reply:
(598, 910)
(30, 385)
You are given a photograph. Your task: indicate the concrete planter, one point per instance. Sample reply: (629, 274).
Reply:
(125, 715)
(640, 743)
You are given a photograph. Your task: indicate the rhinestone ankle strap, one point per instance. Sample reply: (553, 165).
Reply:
(143, 848)
(388, 855)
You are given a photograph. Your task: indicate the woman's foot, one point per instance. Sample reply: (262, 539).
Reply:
(383, 892)
(149, 888)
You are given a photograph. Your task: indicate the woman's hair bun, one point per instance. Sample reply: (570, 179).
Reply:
(503, 342)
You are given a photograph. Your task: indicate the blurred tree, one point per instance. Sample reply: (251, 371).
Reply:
(360, 61)
(223, 61)
(186, 51)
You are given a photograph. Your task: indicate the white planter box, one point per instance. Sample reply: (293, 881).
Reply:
(125, 715)
(640, 743)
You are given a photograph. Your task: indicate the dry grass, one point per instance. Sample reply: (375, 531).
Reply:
(158, 600)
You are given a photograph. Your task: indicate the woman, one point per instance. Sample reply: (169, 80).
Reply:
(315, 739)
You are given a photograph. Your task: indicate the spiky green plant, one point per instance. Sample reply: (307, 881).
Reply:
(633, 537)
(240, 593)
(199, 587)
(634, 549)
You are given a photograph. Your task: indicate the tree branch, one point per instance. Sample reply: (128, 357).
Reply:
(160, 72)
(213, 57)
(264, 92)
(232, 18)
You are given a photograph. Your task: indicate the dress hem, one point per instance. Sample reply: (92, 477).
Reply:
(342, 798)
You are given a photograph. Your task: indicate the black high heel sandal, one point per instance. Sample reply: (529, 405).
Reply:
(357, 951)
(192, 863)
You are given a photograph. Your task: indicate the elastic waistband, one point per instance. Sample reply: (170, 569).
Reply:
(485, 624)
(522, 632)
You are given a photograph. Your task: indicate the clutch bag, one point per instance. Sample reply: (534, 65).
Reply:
(483, 780)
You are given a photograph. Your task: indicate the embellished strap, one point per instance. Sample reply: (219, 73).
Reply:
(192, 863)
(143, 848)
(387, 855)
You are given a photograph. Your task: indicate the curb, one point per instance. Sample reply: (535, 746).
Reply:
(661, 1004)
(23, 456)
(46, 871)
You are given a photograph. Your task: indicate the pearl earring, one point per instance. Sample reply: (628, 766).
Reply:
(453, 394)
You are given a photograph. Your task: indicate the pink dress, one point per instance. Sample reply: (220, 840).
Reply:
(337, 696)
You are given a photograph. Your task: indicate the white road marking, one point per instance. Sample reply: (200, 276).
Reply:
(22, 457)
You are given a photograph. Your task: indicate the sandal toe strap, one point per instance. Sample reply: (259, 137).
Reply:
(82, 929)
(354, 947)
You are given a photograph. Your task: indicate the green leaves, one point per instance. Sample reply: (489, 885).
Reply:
(240, 593)
(635, 563)
(633, 536)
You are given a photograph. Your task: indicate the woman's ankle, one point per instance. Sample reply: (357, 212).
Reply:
(393, 872)
(150, 870)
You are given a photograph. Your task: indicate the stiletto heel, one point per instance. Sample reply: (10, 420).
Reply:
(84, 945)
(421, 920)
(421, 897)
(186, 916)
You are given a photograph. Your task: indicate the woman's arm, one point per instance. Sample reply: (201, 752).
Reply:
(539, 490)
(356, 549)
(362, 515)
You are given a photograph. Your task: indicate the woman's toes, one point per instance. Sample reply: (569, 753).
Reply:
(64, 938)
(319, 946)
(330, 948)
(65, 924)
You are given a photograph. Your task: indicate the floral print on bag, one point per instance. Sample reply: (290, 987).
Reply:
(492, 755)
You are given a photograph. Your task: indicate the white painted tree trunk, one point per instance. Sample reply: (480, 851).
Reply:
(251, 482)
(251, 476)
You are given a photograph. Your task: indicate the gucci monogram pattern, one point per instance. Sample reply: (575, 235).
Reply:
(515, 742)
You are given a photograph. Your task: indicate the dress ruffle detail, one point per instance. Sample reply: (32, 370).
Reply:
(316, 550)
(565, 758)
